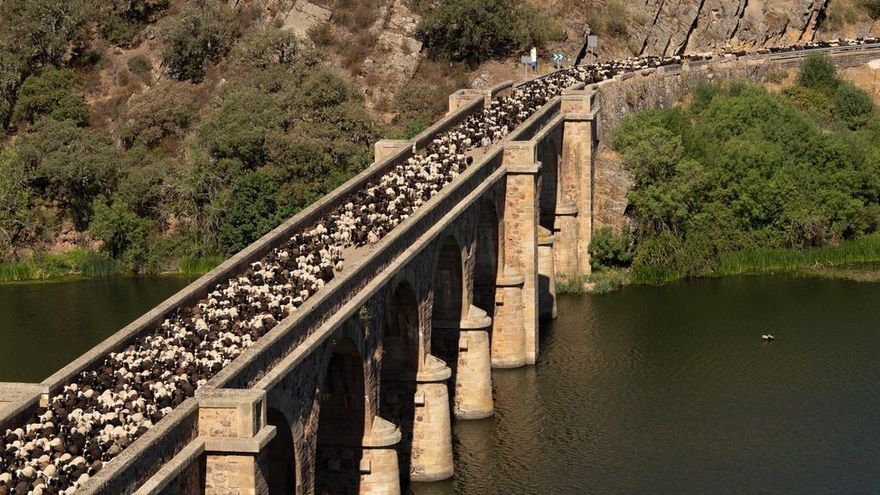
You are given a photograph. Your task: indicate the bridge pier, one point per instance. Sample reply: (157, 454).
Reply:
(565, 246)
(546, 276)
(473, 376)
(380, 472)
(521, 232)
(233, 425)
(508, 336)
(432, 426)
(578, 138)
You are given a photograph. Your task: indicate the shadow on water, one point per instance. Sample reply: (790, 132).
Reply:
(670, 389)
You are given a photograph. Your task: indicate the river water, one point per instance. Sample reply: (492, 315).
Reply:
(647, 390)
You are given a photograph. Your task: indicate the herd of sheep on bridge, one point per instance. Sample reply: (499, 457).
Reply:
(105, 408)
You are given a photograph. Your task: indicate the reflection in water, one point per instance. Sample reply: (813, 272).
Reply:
(44, 326)
(668, 390)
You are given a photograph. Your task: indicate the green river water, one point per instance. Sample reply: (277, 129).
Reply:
(647, 390)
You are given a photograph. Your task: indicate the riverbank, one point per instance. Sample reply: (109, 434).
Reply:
(90, 264)
(857, 260)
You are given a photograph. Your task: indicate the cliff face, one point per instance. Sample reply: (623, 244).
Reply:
(695, 26)
(671, 27)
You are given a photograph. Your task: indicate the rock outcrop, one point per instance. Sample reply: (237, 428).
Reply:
(697, 26)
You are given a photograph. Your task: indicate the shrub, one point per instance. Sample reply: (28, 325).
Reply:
(123, 233)
(260, 49)
(473, 31)
(322, 35)
(53, 93)
(818, 72)
(44, 31)
(121, 21)
(67, 164)
(165, 110)
(853, 105)
(612, 19)
(610, 249)
(872, 7)
(139, 64)
(199, 35)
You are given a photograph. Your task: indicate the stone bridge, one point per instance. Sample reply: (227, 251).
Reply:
(355, 392)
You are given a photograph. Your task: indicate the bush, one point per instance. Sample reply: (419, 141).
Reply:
(43, 32)
(199, 35)
(853, 105)
(67, 165)
(164, 110)
(251, 210)
(122, 21)
(818, 72)
(261, 49)
(872, 7)
(610, 249)
(473, 31)
(53, 93)
(123, 233)
(612, 20)
(139, 64)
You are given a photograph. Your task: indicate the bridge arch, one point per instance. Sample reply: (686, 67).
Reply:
(343, 418)
(402, 355)
(553, 179)
(282, 455)
(488, 256)
(449, 304)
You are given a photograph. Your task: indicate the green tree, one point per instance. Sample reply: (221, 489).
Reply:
(121, 21)
(743, 169)
(44, 32)
(123, 233)
(67, 165)
(251, 210)
(818, 72)
(164, 110)
(610, 249)
(474, 31)
(199, 35)
(20, 223)
(53, 93)
(264, 48)
(853, 105)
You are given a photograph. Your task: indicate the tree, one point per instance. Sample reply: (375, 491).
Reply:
(200, 34)
(53, 93)
(164, 110)
(263, 48)
(818, 72)
(474, 30)
(251, 210)
(44, 32)
(20, 223)
(122, 20)
(67, 164)
(610, 249)
(743, 169)
(853, 105)
(123, 233)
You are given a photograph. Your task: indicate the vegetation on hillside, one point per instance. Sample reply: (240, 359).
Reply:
(215, 132)
(740, 174)
(473, 31)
